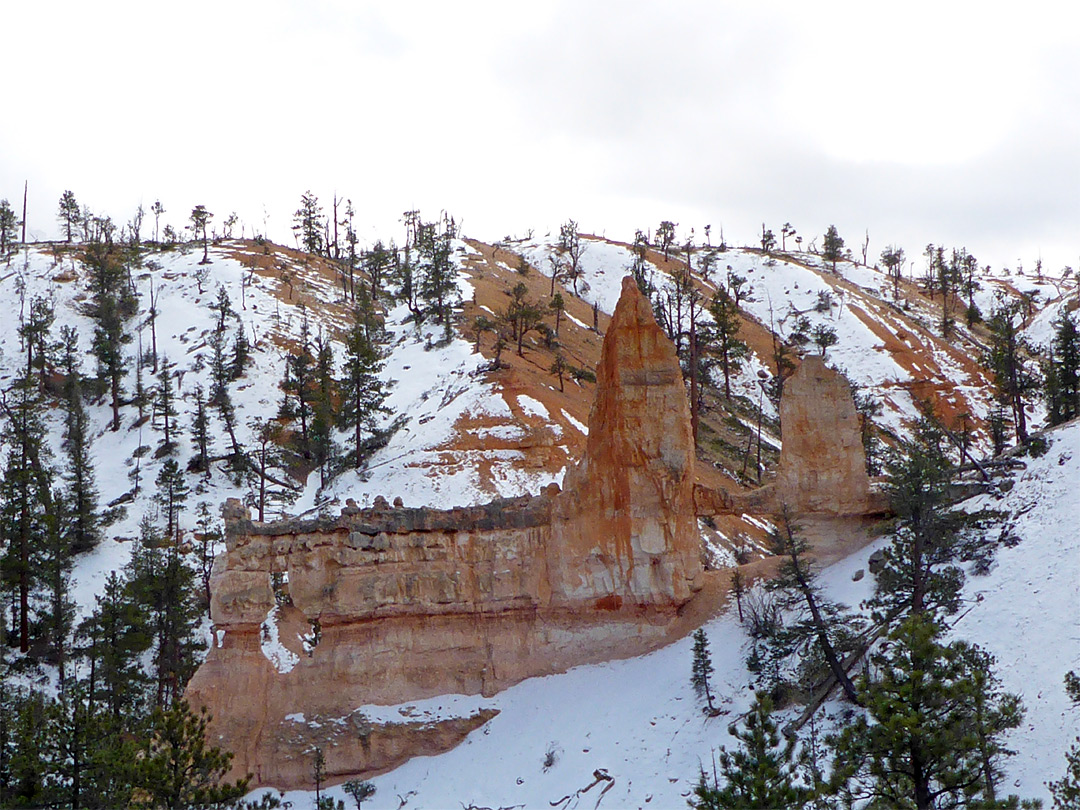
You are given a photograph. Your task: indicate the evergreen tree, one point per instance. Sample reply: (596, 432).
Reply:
(438, 288)
(702, 668)
(378, 263)
(359, 790)
(9, 228)
(641, 269)
(165, 407)
(200, 219)
(893, 259)
(522, 315)
(324, 398)
(175, 767)
(832, 247)
(299, 383)
(362, 391)
(171, 495)
(34, 334)
(933, 734)
(112, 304)
(69, 215)
(116, 635)
(164, 584)
(920, 571)
(200, 428)
(1061, 372)
(665, 236)
(762, 773)
(84, 530)
(241, 352)
(308, 223)
(1066, 791)
(819, 630)
(722, 335)
(571, 249)
(24, 776)
(267, 468)
(27, 513)
(1007, 358)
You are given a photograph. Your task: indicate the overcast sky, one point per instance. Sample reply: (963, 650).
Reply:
(944, 122)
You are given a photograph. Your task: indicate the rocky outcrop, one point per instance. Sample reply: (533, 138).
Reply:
(321, 623)
(383, 606)
(626, 525)
(822, 462)
(822, 467)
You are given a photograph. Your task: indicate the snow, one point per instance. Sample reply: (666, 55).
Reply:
(640, 720)
(583, 429)
(282, 659)
(532, 407)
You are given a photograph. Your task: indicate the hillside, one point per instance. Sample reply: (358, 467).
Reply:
(460, 428)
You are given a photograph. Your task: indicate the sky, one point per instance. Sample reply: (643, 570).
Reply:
(907, 123)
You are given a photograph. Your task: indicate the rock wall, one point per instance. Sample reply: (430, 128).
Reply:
(321, 622)
(387, 605)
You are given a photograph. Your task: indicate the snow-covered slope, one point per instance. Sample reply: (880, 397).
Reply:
(640, 722)
(432, 386)
(637, 720)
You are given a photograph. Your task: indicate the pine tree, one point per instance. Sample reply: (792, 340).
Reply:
(359, 790)
(200, 429)
(69, 215)
(171, 495)
(34, 333)
(28, 515)
(1066, 791)
(165, 407)
(362, 391)
(113, 303)
(9, 228)
(665, 236)
(299, 383)
(571, 249)
(832, 247)
(816, 628)
(761, 773)
(175, 767)
(1061, 372)
(438, 288)
(920, 571)
(116, 635)
(1014, 380)
(722, 335)
(702, 668)
(267, 468)
(200, 219)
(84, 530)
(324, 398)
(308, 223)
(163, 583)
(241, 352)
(936, 731)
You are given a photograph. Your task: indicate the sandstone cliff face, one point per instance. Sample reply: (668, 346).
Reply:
(381, 606)
(388, 605)
(626, 525)
(822, 463)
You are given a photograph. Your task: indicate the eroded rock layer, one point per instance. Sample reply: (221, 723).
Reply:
(382, 606)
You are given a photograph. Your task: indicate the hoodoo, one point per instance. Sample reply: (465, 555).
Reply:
(318, 619)
(322, 623)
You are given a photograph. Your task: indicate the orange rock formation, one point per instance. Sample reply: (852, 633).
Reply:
(317, 619)
(403, 604)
